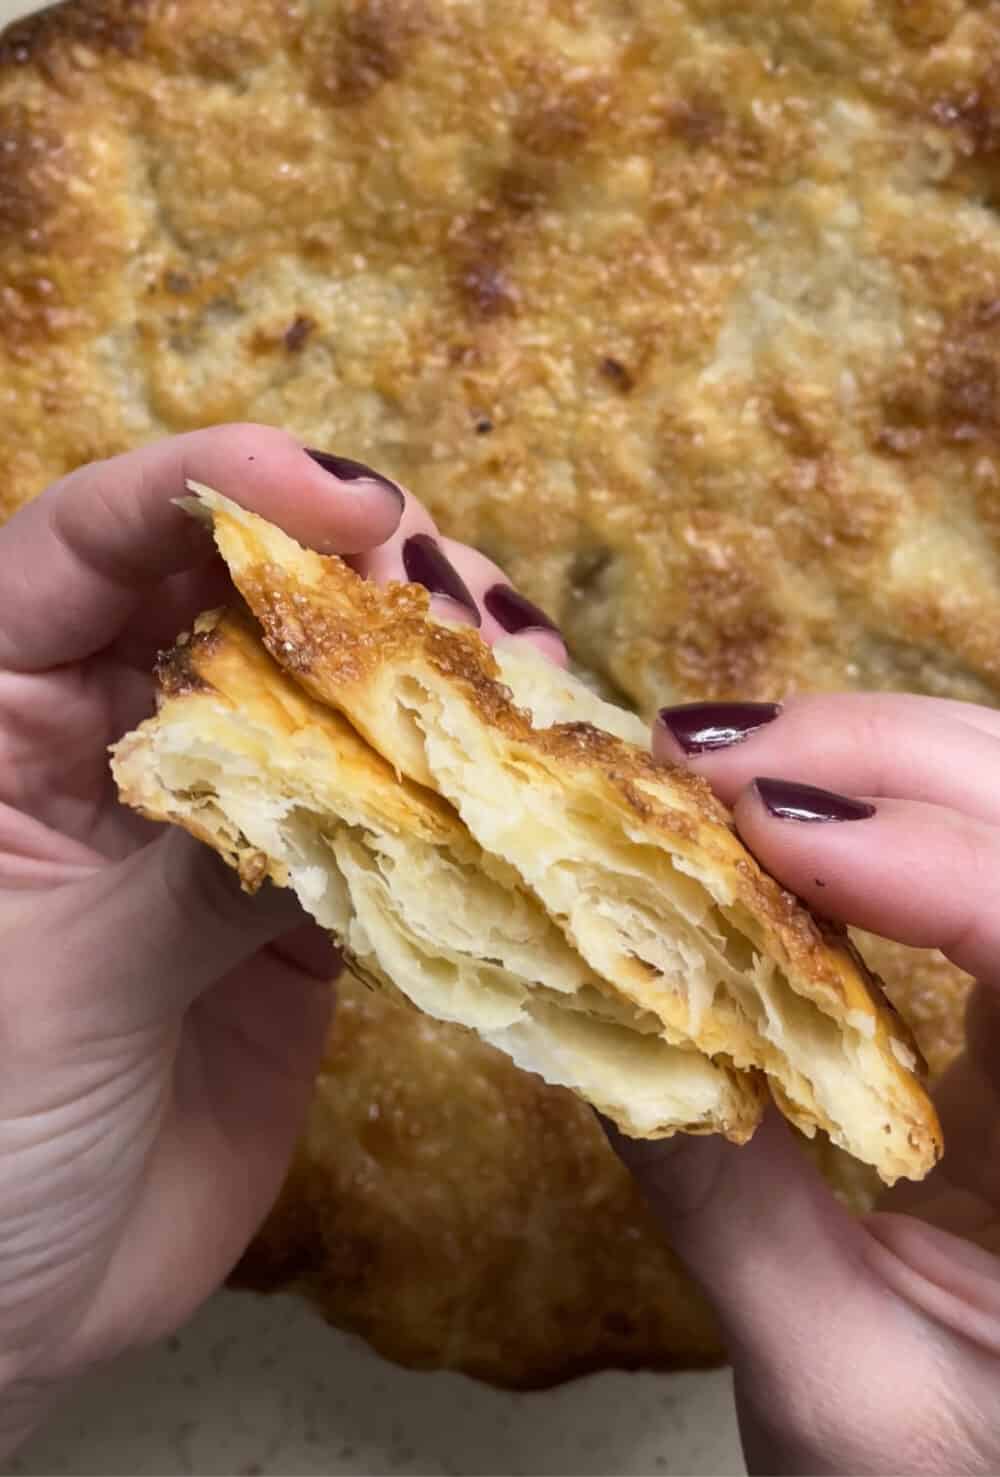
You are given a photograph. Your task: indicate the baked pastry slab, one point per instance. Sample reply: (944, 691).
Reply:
(457, 1212)
(687, 318)
(284, 788)
(685, 313)
(688, 942)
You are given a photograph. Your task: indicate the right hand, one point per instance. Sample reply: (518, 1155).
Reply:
(871, 1345)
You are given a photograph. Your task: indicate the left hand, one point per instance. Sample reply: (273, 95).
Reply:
(159, 1031)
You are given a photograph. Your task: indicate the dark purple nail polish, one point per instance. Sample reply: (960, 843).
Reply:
(789, 801)
(426, 564)
(701, 727)
(347, 470)
(514, 612)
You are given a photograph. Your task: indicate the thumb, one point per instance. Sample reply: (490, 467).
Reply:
(759, 1229)
(132, 945)
(838, 1366)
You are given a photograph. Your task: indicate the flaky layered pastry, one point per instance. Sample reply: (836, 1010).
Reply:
(284, 788)
(667, 933)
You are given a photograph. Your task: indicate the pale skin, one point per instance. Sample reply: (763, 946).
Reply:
(873, 1346)
(159, 1030)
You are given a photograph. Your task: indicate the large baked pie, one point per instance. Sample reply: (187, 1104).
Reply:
(685, 313)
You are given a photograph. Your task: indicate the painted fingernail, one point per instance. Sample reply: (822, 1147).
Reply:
(701, 727)
(347, 470)
(515, 613)
(789, 801)
(426, 564)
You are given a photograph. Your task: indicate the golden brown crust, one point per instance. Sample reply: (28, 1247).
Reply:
(354, 646)
(222, 656)
(180, 670)
(684, 317)
(59, 35)
(800, 196)
(456, 1212)
(334, 632)
(930, 994)
(373, 626)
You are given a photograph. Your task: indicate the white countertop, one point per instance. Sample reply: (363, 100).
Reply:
(260, 1386)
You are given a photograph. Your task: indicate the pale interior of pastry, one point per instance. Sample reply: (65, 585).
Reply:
(665, 927)
(283, 788)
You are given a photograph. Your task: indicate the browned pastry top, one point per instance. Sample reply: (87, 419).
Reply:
(687, 313)
(453, 1210)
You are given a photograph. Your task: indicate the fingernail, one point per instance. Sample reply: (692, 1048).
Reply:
(426, 564)
(515, 613)
(789, 801)
(347, 470)
(702, 727)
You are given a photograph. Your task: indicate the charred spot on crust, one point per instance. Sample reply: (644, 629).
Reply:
(263, 340)
(25, 150)
(973, 114)
(485, 287)
(559, 116)
(482, 244)
(922, 22)
(948, 391)
(697, 120)
(970, 404)
(98, 25)
(177, 283)
(368, 48)
(176, 670)
(297, 332)
(519, 191)
(616, 373)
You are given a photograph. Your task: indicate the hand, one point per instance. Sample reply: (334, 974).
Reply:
(159, 1031)
(869, 1346)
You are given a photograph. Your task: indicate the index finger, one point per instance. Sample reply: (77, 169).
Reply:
(76, 562)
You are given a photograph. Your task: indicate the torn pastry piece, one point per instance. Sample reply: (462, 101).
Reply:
(284, 788)
(636, 862)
